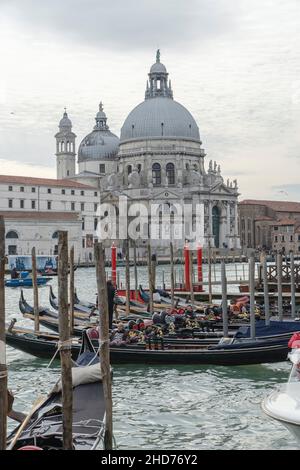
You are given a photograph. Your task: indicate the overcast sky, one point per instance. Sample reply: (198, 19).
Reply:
(234, 64)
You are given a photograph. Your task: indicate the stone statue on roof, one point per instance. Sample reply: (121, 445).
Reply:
(158, 55)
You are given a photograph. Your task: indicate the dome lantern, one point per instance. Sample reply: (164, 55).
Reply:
(101, 119)
(158, 80)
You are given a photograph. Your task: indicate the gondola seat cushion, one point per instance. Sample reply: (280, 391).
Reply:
(82, 375)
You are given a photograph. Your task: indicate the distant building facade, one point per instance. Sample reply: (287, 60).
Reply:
(270, 225)
(34, 210)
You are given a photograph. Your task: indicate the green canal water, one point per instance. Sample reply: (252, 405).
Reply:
(159, 407)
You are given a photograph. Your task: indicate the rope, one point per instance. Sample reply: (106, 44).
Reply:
(3, 374)
(61, 346)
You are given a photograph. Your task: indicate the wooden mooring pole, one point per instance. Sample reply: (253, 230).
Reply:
(35, 292)
(127, 277)
(64, 340)
(252, 295)
(172, 274)
(72, 290)
(293, 290)
(136, 281)
(266, 289)
(224, 298)
(279, 286)
(153, 271)
(150, 278)
(3, 367)
(104, 344)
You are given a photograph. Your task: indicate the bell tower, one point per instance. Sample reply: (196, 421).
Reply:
(65, 149)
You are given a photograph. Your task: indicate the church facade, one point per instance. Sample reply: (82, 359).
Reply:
(157, 162)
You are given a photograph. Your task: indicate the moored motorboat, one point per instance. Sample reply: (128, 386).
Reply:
(283, 404)
(26, 282)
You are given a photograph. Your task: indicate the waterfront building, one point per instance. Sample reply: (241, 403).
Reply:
(34, 210)
(270, 225)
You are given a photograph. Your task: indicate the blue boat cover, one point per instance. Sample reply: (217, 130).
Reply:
(275, 328)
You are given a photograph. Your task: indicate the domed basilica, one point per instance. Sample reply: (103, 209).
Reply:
(157, 162)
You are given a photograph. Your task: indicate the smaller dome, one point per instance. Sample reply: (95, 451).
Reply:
(158, 67)
(100, 143)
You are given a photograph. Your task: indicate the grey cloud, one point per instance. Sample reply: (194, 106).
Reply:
(119, 24)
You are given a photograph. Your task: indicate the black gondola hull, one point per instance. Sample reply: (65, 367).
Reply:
(125, 355)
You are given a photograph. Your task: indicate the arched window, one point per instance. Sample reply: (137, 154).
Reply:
(216, 225)
(156, 174)
(129, 169)
(55, 235)
(12, 234)
(170, 168)
(68, 146)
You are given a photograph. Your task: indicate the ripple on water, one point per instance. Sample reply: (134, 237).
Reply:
(183, 407)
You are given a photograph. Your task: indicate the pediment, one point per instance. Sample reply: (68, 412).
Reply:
(221, 188)
(166, 193)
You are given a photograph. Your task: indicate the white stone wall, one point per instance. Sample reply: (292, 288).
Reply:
(94, 166)
(38, 234)
(65, 166)
(60, 202)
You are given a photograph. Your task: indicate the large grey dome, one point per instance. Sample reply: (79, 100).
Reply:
(159, 117)
(100, 143)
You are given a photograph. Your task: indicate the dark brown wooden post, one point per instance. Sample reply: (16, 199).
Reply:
(72, 290)
(127, 272)
(279, 286)
(136, 282)
(64, 340)
(104, 343)
(172, 274)
(35, 292)
(150, 279)
(3, 368)
(153, 271)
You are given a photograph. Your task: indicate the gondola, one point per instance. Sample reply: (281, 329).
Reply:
(234, 352)
(26, 308)
(275, 331)
(163, 298)
(42, 428)
(49, 318)
(77, 307)
(84, 303)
